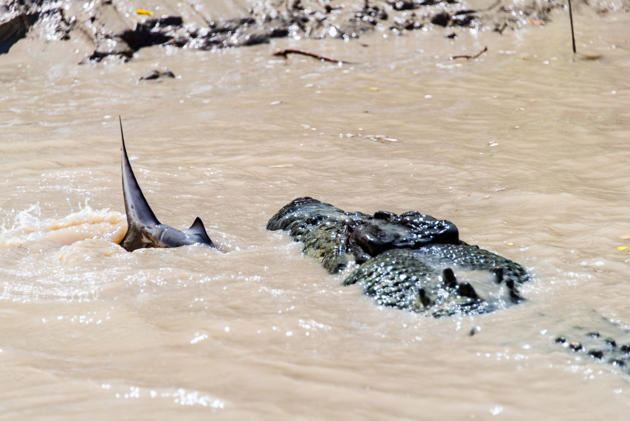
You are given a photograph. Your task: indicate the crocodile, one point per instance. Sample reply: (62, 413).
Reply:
(409, 261)
(415, 262)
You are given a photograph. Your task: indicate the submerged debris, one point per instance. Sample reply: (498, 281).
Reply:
(157, 74)
(468, 57)
(285, 52)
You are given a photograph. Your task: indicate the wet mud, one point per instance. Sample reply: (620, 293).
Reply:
(116, 29)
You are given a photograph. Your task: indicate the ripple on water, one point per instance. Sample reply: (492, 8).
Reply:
(178, 396)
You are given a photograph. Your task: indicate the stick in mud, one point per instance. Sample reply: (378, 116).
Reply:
(284, 53)
(571, 20)
(467, 57)
(501, 29)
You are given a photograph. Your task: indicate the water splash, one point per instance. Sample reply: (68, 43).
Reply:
(28, 229)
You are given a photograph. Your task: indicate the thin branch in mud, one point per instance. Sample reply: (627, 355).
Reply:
(83, 30)
(286, 52)
(467, 57)
(571, 19)
(195, 8)
(487, 9)
(501, 29)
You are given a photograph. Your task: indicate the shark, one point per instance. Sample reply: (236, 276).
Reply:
(144, 230)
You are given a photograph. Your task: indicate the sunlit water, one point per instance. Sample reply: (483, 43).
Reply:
(525, 149)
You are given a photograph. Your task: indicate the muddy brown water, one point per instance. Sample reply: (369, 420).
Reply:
(525, 149)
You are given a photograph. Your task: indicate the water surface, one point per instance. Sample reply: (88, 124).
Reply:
(525, 149)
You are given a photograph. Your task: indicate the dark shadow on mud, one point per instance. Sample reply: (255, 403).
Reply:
(14, 30)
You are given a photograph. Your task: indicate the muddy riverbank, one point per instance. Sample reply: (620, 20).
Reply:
(119, 28)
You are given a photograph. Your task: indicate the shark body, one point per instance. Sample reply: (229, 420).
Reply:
(144, 230)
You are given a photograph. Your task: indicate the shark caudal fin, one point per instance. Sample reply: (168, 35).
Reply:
(143, 228)
(139, 213)
(199, 230)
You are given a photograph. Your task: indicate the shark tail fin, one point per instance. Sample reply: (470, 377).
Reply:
(139, 212)
(197, 228)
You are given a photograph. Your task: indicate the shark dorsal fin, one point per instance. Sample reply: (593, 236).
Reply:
(139, 212)
(199, 229)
